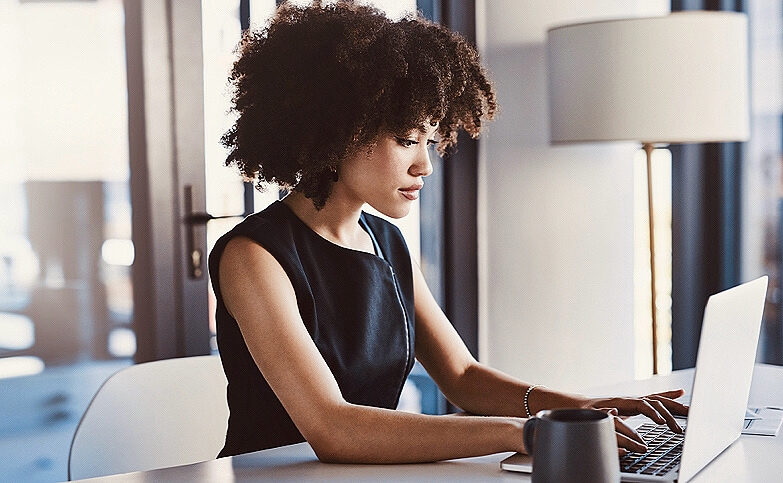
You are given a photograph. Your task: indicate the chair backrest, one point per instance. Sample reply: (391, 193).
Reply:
(152, 415)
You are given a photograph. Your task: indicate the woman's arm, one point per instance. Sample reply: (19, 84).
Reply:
(479, 389)
(259, 295)
(466, 383)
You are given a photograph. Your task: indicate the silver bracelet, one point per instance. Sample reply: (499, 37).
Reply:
(527, 399)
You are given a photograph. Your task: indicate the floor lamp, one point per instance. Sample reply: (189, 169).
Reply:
(678, 78)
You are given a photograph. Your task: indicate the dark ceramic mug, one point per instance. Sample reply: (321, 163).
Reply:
(572, 445)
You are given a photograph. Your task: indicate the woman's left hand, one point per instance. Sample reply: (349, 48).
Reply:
(660, 407)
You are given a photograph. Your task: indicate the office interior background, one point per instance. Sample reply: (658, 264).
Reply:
(110, 116)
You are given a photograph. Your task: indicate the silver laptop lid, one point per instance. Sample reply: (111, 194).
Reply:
(724, 369)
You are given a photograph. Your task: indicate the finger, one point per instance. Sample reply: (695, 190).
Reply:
(634, 406)
(642, 406)
(629, 444)
(674, 407)
(671, 422)
(672, 394)
(622, 428)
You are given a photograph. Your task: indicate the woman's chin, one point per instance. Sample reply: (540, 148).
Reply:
(395, 212)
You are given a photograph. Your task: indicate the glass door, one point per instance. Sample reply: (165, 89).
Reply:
(226, 193)
(66, 301)
(762, 183)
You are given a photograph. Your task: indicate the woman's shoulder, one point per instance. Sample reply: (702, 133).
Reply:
(272, 219)
(264, 228)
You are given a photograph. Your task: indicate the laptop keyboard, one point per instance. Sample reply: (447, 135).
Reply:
(664, 448)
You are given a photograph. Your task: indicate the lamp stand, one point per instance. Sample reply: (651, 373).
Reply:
(648, 149)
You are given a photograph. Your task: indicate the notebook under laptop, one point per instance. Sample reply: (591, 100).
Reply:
(727, 354)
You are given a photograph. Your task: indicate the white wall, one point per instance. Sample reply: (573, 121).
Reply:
(556, 223)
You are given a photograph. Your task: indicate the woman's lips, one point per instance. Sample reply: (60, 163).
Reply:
(412, 192)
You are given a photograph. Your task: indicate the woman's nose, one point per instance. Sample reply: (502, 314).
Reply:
(422, 166)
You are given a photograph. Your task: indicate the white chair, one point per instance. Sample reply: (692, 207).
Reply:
(152, 415)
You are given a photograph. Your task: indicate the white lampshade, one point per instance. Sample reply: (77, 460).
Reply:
(678, 78)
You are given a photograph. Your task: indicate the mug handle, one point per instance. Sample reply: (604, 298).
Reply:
(528, 433)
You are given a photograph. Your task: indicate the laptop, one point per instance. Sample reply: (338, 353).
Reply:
(726, 357)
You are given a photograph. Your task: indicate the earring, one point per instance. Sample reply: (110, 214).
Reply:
(335, 175)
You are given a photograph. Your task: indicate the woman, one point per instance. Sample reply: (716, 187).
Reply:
(320, 310)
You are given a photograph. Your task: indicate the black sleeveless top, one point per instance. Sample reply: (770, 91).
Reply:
(357, 307)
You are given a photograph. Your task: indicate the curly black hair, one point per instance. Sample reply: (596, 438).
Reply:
(322, 81)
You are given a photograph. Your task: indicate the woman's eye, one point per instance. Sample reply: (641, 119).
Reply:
(432, 142)
(406, 142)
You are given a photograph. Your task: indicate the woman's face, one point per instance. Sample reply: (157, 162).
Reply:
(389, 176)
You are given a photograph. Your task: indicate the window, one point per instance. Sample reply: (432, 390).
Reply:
(65, 228)
(762, 176)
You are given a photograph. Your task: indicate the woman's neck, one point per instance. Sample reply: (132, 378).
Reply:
(336, 222)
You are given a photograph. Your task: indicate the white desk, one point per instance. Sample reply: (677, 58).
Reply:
(751, 459)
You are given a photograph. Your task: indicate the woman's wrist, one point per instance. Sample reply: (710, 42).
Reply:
(516, 440)
(526, 401)
(538, 397)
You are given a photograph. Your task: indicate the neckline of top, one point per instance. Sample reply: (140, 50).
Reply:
(362, 223)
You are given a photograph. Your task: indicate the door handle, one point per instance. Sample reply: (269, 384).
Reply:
(195, 253)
